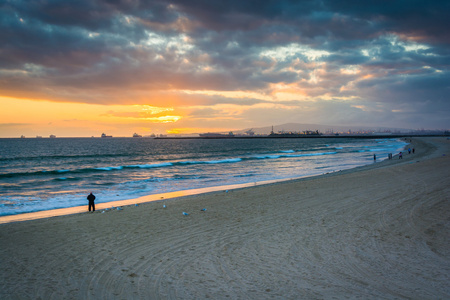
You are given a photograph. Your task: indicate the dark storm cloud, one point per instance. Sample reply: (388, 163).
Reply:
(426, 19)
(89, 14)
(393, 52)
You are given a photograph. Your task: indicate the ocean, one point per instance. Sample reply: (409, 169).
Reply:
(43, 174)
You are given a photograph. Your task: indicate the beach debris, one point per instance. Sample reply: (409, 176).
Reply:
(136, 204)
(119, 208)
(185, 214)
(203, 209)
(164, 206)
(226, 191)
(103, 212)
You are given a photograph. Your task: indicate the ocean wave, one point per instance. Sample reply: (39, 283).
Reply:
(63, 157)
(265, 157)
(65, 178)
(318, 149)
(109, 168)
(294, 155)
(243, 175)
(160, 165)
(200, 162)
(149, 166)
(372, 150)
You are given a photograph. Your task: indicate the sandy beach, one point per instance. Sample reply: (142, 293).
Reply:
(374, 232)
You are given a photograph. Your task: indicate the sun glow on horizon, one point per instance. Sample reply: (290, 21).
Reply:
(32, 117)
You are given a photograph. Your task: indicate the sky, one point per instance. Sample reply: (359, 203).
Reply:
(80, 68)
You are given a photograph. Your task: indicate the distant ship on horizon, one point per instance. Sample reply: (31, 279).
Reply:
(135, 135)
(106, 136)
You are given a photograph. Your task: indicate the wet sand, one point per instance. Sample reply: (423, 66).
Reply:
(379, 231)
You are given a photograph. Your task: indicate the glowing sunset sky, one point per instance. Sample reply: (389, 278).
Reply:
(80, 68)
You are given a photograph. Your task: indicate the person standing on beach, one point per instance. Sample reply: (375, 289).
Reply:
(91, 199)
(400, 155)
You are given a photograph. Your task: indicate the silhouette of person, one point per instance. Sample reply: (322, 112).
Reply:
(91, 199)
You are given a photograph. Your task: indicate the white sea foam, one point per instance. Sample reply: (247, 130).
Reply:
(149, 166)
(109, 168)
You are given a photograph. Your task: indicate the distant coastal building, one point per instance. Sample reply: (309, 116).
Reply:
(52, 136)
(216, 135)
(22, 136)
(39, 137)
(135, 135)
(306, 133)
(250, 132)
(106, 136)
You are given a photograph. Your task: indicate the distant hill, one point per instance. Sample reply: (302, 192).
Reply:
(322, 128)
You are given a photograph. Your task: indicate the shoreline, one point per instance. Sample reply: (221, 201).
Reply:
(377, 232)
(183, 193)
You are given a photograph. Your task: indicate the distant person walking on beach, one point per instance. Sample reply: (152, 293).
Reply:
(91, 199)
(400, 155)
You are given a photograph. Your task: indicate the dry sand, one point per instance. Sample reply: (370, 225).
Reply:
(374, 232)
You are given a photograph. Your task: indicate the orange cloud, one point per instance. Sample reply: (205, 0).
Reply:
(290, 91)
